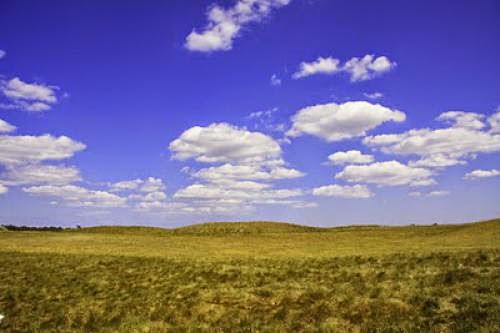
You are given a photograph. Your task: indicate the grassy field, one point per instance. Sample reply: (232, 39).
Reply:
(263, 277)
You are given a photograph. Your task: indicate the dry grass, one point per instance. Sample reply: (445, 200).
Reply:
(252, 278)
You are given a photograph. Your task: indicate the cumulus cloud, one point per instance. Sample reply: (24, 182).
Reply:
(77, 196)
(351, 192)
(5, 127)
(145, 193)
(240, 185)
(224, 143)
(322, 65)
(494, 122)
(224, 25)
(33, 97)
(478, 173)
(463, 119)
(147, 185)
(126, 185)
(3, 189)
(247, 163)
(246, 172)
(2, 54)
(219, 207)
(40, 174)
(22, 159)
(390, 173)
(155, 196)
(443, 146)
(359, 69)
(234, 191)
(436, 161)
(350, 157)
(26, 149)
(335, 122)
(368, 67)
(152, 184)
(438, 193)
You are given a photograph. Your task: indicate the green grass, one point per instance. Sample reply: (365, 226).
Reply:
(252, 277)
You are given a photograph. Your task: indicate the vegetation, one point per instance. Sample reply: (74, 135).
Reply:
(252, 277)
(11, 227)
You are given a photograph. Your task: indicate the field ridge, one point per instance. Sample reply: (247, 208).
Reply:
(265, 227)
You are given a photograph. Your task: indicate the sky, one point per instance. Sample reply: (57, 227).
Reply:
(316, 112)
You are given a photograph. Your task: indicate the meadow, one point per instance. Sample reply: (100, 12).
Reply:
(252, 277)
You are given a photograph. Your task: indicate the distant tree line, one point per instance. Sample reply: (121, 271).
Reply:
(12, 227)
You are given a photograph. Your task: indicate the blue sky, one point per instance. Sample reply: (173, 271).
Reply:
(315, 112)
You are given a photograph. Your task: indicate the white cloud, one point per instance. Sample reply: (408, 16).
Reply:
(359, 69)
(205, 208)
(237, 185)
(246, 172)
(3, 189)
(2, 54)
(350, 157)
(463, 119)
(232, 193)
(355, 191)
(28, 96)
(224, 25)
(438, 193)
(374, 95)
(155, 197)
(22, 156)
(214, 191)
(476, 174)
(436, 161)
(322, 65)
(144, 193)
(40, 174)
(275, 81)
(335, 122)
(76, 196)
(438, 147)
(25, 149)
(5, 127)
(17, 89)
(251, 161)
(423, 182)
(390, 173)
(224, 143)
(152, 184)
(126, 185)
(368, 67)
(494, 122)
(240, 185)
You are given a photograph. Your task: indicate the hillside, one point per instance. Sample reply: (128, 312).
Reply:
(257, 276)
(125, 230)
(211, 228)
(264, 227)
(221, 228)
(256, 240)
